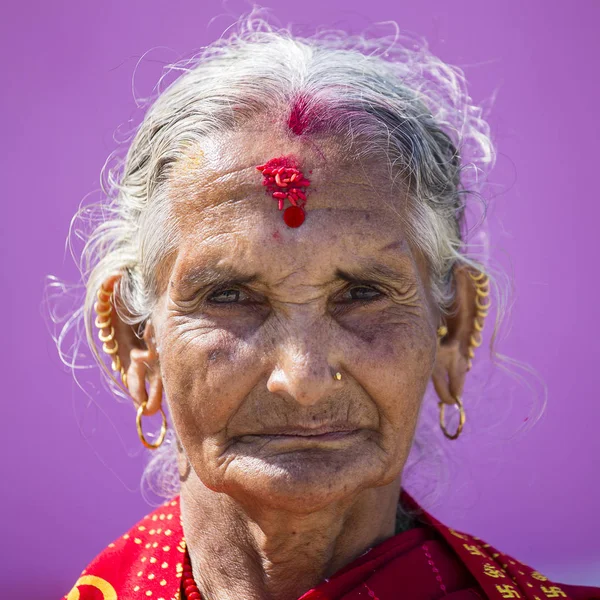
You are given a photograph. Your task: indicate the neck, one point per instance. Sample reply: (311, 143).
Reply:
(275, 554)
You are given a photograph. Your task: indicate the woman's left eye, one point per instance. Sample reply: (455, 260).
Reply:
(229, 296)
(363, 292)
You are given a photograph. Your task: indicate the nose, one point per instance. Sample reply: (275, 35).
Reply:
(303, 370)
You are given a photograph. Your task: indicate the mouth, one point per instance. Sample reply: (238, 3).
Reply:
(307, 435)
(311, 431)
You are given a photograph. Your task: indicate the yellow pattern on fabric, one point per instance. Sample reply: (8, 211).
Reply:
(108, 591)
(492, 571)
(458, 535)
(474, 550)
(508, 591)
(553, 592)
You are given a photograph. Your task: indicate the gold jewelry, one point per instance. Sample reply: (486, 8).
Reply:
(337, 375)
(482, 289)
(163, 427)
(103, 309)
(461, 420)
(442, 330)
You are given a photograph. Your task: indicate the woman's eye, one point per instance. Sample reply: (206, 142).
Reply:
(363, 293)
(225, 297)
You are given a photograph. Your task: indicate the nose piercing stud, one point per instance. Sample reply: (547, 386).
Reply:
(337, 375)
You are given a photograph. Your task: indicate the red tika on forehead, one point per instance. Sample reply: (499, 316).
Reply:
(284, 180)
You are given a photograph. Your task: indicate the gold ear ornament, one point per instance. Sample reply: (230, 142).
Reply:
(104, 308)
(106, 334)
(163, 428)
(461, 420)
(482, 305)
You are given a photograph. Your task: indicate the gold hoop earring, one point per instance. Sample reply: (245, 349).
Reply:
(461, 420)
(103, 308)
(163, 427)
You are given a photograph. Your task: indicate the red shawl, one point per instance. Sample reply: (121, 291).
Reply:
(424, 563)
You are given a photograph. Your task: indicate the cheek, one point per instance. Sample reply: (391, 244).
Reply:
(394, 367)
(206, 378)
(401, 343)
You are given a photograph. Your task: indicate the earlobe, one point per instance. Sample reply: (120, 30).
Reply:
(144, 365)
(449, 372)
(452, 359)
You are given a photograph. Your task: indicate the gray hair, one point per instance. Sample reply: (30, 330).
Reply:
(385, 98)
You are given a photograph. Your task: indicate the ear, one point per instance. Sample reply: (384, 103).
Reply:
(452, 359)
(139, 357)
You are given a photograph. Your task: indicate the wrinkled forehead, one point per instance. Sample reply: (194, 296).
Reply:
(226, 215)
(222, 170)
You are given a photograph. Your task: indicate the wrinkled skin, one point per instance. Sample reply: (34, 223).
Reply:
(246, 360)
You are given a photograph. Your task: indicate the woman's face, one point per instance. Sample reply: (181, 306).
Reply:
(257, 318)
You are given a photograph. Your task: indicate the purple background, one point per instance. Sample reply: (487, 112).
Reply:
(70, 477)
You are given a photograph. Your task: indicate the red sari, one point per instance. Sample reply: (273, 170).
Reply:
(424, 563)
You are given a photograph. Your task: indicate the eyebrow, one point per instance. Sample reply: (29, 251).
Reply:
(371, 272)
(230, 275)
(208, 275)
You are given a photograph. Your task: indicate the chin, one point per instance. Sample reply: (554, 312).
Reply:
(302, 481)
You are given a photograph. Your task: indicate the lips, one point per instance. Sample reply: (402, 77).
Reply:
(292, 437)
(322, 430)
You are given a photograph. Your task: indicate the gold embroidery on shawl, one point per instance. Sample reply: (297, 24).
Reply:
(458, 535)
(508, 591)
(474, 550)
(492, 570)
(553, 592)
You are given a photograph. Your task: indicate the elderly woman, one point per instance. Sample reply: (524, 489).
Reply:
(285, 267)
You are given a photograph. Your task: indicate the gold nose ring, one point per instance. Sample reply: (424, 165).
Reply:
(337, 375)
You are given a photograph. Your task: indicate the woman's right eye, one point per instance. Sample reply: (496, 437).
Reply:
(228, 296)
